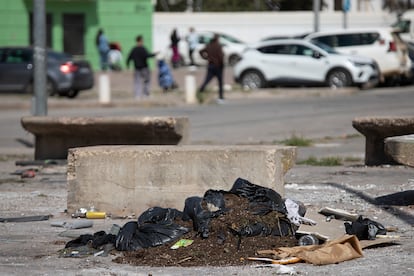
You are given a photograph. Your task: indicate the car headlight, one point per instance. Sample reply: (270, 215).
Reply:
(358, 63)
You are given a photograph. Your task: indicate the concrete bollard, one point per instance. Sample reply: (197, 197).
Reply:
(104, 89)
(190, 89)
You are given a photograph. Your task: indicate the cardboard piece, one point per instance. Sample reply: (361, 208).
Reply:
(339, 250)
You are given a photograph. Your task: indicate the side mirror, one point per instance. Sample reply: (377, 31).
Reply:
(316, 55)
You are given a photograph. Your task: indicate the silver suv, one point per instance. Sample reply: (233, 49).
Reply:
(384, 45)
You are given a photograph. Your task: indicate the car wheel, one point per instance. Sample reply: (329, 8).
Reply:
(252, 79)
(338, 78)
(72, 93)
(233, 59)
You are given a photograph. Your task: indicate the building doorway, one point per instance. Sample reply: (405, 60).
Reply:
(74, 33)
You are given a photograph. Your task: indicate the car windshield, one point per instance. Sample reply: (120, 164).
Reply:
(325, 47)
(402, 25)
(231, 39)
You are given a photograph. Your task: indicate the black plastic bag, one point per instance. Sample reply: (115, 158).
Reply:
(202, 209)
(365, 229)
(154, 227)
(262, 200)
(200, 217)
(96, 240)
(159, 215)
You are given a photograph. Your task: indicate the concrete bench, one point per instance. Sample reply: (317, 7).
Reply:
(401, 149)
(375, 130)
(130, 179)
(55, 135)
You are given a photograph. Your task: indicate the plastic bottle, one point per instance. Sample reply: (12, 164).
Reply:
(308, 240)
(95, 215)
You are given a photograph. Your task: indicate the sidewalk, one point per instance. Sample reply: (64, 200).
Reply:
(121, 94)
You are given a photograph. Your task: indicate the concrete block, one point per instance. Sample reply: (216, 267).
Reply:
(401, 149)
(55, 135)
(131, 179)
(376, 129)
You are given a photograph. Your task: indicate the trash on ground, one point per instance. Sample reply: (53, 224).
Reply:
(281, 269)
(26, 218)
(332, 252)
(95, 215)
(365, 228)
(308, 239)
(40, 162)
(290, 260)
(26, 173)
(182, 243)
(78, 224)
(240, 221)
(89, 214)
(224, 227)
(338, 214)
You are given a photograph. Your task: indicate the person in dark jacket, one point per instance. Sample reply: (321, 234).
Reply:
(214, 54)
(174, 46)
(142, 75)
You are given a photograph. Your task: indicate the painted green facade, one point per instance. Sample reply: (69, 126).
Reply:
(121, 20)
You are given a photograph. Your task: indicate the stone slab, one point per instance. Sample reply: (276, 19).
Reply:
(376, 129)
(55, 135)
(130, 179)
(401, 149)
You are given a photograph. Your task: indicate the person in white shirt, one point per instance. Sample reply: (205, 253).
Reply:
(192, 39)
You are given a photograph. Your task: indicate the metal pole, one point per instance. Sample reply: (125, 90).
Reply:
(39, 58)
(316, 8)
(345, 22)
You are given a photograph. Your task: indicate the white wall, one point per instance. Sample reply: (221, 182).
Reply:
(252, 26)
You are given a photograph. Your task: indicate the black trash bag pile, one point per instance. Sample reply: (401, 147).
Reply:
(365, 228)
(154, 227)
(264, 208)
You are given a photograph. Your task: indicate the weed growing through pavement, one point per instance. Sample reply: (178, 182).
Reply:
(297, 141)
(324, 161)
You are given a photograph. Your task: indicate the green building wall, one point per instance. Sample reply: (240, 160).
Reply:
(121, 20)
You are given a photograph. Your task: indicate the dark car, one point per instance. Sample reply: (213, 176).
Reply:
(66, 76)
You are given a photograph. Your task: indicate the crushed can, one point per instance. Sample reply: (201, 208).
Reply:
(308, 240)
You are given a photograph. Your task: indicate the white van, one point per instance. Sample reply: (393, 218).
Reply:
(406, 26)
(384, 45)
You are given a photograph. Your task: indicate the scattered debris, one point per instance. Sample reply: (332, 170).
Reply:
(26, 173)
(338, 214)
(182, 243)
(332, 252)
(26, 218)
(89, 214)
(291, 260)
(280, 269)
(365, 228)
(78, 224)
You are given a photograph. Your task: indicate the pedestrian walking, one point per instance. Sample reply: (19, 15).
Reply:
(192, 40)
(142, 75)
(103, 48)
(214, 54)
(174, 46)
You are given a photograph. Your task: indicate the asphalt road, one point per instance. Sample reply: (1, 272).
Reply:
(254, 117)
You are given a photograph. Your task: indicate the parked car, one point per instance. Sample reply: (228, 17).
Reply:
(298, 62)
(232, 48)
(65, 75)
(384, 45)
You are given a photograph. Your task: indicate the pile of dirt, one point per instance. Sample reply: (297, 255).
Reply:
(223, 247)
